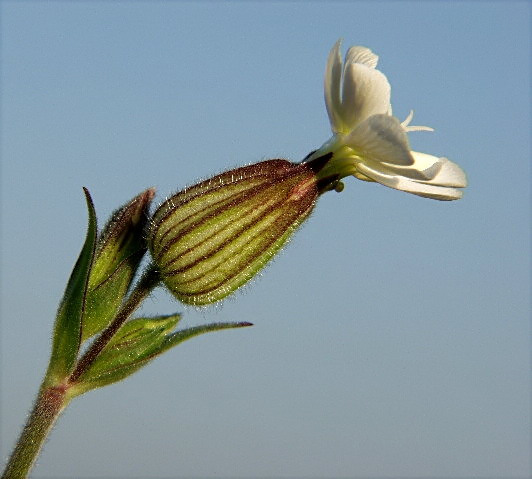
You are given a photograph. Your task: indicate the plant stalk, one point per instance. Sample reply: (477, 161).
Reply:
(52, 399)
(49, 404)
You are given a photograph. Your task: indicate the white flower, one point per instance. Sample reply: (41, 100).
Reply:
(371, 144)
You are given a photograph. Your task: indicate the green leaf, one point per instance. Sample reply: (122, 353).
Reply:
(179, 336)
(129, 349)
(67, 329)
(135, 344)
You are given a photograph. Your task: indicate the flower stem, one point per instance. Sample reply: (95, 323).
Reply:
(49, 404)
(52, 399)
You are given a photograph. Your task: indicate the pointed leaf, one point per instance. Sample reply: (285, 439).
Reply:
(128, 350)
(135, 340)
(179, 336)
(135, 345)
(67, 328)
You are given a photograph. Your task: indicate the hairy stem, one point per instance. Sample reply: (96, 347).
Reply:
(49, 404)
(52, 399)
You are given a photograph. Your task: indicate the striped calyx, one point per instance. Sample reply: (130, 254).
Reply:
(211, 238)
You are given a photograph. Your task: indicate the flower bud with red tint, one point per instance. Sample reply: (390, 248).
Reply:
(211, 238)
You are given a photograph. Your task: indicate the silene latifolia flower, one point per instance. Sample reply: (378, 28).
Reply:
(371, 144)
(211, 238)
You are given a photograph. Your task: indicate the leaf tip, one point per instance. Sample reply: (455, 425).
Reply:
(88, 196)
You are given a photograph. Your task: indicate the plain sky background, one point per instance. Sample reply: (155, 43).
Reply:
(391, 337)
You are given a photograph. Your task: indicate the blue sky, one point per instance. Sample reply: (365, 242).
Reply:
(391, 337)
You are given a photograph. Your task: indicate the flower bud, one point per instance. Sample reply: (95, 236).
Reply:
(122, 237)
(119, 251)
(211, 238)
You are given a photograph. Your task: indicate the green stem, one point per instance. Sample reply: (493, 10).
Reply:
(52, 399)
(49, 404)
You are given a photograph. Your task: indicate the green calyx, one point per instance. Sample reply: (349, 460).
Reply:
(211, 238)
(330, 167)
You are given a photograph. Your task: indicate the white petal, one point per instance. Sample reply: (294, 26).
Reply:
(382, 139)
(361, 55)
(427, 169)
(332, 82)
(404, 184)
(448, 174)
(365, 92)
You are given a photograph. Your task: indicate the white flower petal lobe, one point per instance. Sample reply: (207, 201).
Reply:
(442, 193)
(361, 55)
(381, 138)
(365, 92)
(332, 83)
